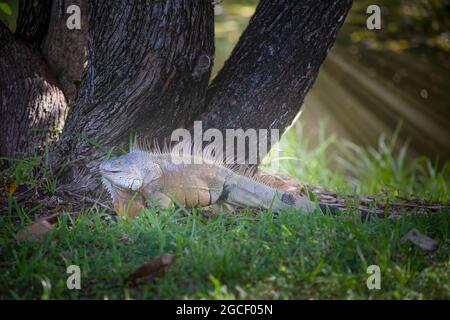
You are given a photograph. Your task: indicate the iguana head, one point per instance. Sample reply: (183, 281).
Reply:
(125, 172)
(125, 176)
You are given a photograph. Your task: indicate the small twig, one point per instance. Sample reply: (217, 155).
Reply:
(94, 201)
(422, 206)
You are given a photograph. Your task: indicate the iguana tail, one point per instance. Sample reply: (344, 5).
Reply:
(244, 191)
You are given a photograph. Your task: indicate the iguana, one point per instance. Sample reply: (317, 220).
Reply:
(141, 175)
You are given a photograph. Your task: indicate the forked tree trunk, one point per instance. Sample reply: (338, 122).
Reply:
(148, 68)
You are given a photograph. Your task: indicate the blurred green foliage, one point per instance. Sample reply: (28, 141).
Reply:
(8, 13)
(5, 8)
(231, 18)
(405, 24)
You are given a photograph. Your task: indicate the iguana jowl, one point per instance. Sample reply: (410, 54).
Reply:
(159, 176)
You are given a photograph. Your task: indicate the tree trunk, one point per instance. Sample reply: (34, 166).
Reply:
(31, 104)
(33, 21)
(146, 75)
(276, 61)
(148, 68)
(65, 49)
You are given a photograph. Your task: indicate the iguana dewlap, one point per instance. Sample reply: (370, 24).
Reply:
(141, 175)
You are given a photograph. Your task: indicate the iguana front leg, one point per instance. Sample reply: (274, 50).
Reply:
(128, 203)
(160, 199)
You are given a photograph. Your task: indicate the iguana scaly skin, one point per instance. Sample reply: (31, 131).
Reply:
(141, 175)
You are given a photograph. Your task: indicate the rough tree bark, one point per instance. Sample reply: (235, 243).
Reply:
(65, 49)
(149, 63)
(41, 66)
(146, 74)
(33, 20)
(31, 104)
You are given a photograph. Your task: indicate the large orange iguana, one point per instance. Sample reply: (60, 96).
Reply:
(141, 175)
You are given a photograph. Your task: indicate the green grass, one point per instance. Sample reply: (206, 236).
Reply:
(251, 256)
(291, 256)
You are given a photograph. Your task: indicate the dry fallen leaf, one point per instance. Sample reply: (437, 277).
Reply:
(156, 267)
(421, 240)
(11, 188)
(34, 231)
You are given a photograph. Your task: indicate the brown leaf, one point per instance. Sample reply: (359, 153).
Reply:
(420, 240)
(11, 188)
(157, 267)
(34, 231)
